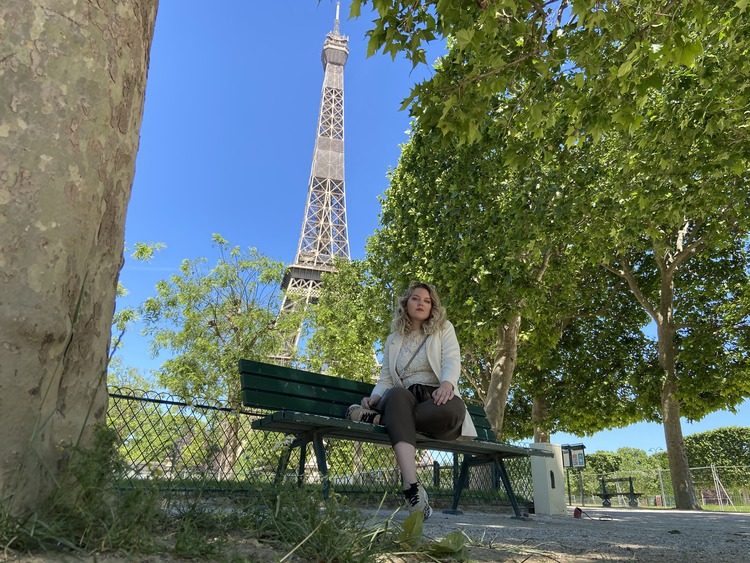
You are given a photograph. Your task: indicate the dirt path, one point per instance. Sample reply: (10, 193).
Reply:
(620, 534)
(616, 534)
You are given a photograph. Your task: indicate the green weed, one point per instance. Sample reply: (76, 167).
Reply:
(92, 512)
(331, 531)
(87, 512)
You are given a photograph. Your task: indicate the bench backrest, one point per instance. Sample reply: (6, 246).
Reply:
(273, 387)
(617, 480)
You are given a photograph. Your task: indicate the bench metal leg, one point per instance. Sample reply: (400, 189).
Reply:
(470, 461)
(298, 442)
(302, 462)
(281, 466)
(320, 458)
(463, 478)
(506, 483)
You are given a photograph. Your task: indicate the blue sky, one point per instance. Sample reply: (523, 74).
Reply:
(227, 139)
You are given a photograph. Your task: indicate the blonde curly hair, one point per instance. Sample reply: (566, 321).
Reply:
(401, 323)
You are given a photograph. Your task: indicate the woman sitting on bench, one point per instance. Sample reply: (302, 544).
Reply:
(416, 391)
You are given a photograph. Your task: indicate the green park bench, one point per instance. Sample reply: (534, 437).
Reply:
(311, 407)
(606, 494)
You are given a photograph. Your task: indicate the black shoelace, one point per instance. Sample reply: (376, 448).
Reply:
(412, 495)
(368, 417)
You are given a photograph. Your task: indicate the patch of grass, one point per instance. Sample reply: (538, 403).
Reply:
(730, 508)
(328, 531)
(86, 512)
(91, 512)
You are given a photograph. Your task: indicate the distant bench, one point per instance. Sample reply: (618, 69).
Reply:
(606, 495)
(311, 407)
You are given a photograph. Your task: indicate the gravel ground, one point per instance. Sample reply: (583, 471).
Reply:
(613, 534)
(602, 534)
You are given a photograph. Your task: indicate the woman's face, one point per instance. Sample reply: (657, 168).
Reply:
(419, 306)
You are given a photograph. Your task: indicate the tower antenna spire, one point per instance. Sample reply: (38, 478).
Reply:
(336, 23)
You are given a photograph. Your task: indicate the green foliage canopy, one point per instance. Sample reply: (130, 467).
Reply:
(351, 317)
(729, 445)
(608, 55)
(208, 318)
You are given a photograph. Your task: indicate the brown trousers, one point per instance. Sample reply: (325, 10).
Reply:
(408, 411)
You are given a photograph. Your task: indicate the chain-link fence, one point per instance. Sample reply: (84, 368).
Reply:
(716, 487)
(184, 445)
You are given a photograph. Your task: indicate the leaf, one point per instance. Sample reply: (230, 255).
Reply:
(411, 529)
(741, 4)
(689, 52)
(373, 44)
(355, 9)
(453, 543)
(624, 69)
(464, 37)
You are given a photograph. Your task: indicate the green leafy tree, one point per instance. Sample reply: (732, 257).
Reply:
(349, 322)
(603, 463)
(481, 246)
(504, 245)
(121, 375)
(589, 381)
(207, 318)
(728, 447)
(677, 236)
(118, 373)
(664, 93)
(612, 53)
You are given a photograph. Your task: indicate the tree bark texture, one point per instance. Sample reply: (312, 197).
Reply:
(682, 480)
(539, 415)
(72, 84)
(503, 367)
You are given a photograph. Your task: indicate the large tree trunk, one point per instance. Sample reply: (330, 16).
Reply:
(679, 468)
(668, 263)
(72, 83)
(539, 415)
(503, 367)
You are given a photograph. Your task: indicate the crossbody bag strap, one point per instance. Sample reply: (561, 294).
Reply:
(414, 355)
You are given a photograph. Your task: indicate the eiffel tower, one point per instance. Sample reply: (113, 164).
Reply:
(324, 233)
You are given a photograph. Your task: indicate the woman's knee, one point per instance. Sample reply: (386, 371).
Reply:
(440, 418)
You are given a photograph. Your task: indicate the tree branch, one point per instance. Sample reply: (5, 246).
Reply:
(626, 273)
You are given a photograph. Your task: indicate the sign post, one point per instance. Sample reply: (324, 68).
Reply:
(574, 457)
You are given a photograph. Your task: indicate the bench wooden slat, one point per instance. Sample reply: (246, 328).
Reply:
(290, 422)
(295, 396)
(283, 373)
(279, 401)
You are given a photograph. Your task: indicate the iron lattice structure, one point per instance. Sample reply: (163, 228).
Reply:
(324, 229)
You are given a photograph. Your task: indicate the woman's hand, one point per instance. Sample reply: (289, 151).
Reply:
(370, 402)
(443, 394)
